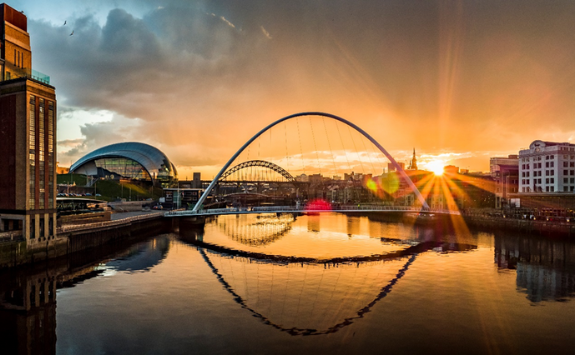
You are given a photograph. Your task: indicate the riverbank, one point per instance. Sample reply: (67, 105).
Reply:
(75, 238)
(483, 222)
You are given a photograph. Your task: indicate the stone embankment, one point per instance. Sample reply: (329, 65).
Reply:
(528, 226)
(74, 238)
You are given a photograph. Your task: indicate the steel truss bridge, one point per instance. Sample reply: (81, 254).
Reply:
(259, 163)
(304, 209)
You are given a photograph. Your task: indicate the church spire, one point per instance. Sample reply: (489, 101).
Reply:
(414, 161)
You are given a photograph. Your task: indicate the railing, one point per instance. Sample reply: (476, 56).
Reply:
(277, 209)
(128, 220)
(10, 236)
(13, 72)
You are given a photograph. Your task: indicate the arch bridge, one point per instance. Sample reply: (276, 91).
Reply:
(398, 168)
(258, 163)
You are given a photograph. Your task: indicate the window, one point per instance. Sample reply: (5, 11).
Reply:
(565, 189)
(565, 180)
(552, 180)
(41, 147)
(547, 180)
(546, 164)
(572, 180)
(571, 164)
(551, 189)
(552, 164)
(565, 164)
(565, 172)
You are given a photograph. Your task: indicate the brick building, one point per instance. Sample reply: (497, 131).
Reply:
(27, 137)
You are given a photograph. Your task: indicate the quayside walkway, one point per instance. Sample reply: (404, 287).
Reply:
(116, 221)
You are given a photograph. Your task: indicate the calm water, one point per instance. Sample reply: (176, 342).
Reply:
(421, 290)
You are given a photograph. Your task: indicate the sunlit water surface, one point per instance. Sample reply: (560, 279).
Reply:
(478, 293)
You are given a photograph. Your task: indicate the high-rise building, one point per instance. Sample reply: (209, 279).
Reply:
(27, 137)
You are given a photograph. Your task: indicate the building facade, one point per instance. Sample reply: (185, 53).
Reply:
(505, 172)
(27, 139)
(547, 167)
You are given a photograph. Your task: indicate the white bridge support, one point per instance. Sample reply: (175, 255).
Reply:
(364, 133)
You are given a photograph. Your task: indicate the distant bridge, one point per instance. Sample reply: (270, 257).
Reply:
(259, 163)
(304, 209)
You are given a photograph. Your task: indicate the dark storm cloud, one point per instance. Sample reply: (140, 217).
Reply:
(428, 71)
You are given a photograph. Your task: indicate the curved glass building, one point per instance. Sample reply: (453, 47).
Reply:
(131, 160)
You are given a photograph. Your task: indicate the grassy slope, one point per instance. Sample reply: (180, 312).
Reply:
(110, 190)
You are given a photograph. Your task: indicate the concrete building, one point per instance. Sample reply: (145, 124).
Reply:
(197, 180)
(27, 138)
(547, 167)
(451, 169)
(495, 163)
(391, 167)
(505, 172)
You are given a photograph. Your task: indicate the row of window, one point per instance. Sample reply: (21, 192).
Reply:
(547, 189)
(38, 136)
(547, 173)
(547, 181)
(547, 157)
(18, 59)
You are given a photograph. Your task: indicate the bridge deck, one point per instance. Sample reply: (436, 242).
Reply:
(291, 209)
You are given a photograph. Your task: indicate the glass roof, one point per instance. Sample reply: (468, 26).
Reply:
(152, 159)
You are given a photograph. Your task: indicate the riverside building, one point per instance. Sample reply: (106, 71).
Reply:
(27, 138)
(547, 167)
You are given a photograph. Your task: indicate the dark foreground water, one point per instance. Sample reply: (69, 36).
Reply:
(418, 290)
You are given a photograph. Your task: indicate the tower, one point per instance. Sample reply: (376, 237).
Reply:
(413, 165)
(27, 137)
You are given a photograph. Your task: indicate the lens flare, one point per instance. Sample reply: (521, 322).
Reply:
(435, 166)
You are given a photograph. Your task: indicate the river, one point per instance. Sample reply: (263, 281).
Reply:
(311, 284)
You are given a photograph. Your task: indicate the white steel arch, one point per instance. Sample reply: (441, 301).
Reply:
(328, 115)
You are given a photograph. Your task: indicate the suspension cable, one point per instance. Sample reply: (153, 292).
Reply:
(329, 144)
(315, 145)
(354, 147)
(300, 148)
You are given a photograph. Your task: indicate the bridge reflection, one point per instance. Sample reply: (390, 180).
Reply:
(303, 296)
(263, 230)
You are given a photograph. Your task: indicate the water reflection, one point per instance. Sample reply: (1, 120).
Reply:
(545, 267)
(338, 237)
(352, 225)
(306, 296)
(258, 231)
(28, 295)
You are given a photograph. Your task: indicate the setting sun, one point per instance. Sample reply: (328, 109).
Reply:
(436, 167)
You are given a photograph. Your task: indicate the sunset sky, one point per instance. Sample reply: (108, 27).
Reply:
(458, 80)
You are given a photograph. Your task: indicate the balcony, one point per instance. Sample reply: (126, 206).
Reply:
(11, 72)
